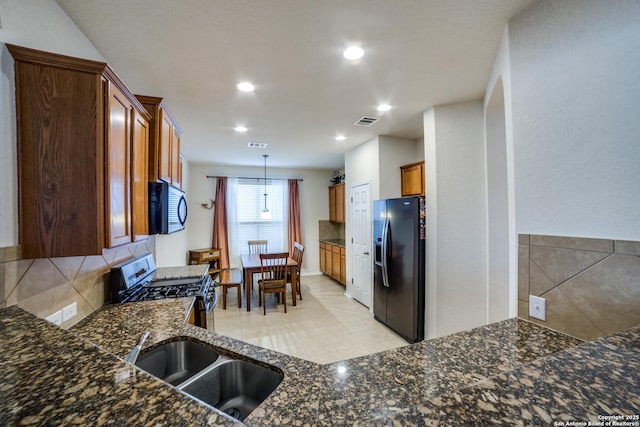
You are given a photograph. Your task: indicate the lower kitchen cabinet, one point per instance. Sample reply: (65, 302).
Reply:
(333, 261)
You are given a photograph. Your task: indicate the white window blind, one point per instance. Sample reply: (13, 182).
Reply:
(245, 205)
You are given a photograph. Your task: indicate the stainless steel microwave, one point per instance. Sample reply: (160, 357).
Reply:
(167, 208)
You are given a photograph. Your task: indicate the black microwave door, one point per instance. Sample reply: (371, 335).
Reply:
(177, 210)
(158, 199)
(182, 211)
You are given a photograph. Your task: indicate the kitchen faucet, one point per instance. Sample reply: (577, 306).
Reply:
(133, 356)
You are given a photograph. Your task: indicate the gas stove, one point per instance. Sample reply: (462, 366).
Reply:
(133, 280)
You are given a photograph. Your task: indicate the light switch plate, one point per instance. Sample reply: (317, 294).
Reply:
(537, 307)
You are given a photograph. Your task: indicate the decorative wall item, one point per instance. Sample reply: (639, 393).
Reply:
(338, 176)
(209, 205)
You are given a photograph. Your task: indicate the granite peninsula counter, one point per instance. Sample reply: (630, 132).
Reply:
(512, 372)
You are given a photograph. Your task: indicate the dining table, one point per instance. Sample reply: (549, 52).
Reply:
(251, 265)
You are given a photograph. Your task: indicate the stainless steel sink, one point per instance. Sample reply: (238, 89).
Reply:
(233, 386)
(177, 361)
(236, 387)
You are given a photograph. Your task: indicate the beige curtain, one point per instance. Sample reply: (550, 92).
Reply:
(220, 228)
(294, 214)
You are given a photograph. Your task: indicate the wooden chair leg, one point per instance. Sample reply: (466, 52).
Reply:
(224, 297)
(264, 304)
(284, 299)
(239, 296)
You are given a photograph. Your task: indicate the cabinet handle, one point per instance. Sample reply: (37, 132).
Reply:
(365, 253)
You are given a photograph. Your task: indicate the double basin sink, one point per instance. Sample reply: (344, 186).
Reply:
(233, 386)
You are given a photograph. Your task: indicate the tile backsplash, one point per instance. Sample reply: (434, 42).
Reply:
(46, 285)
(591, 286)
(330, 230)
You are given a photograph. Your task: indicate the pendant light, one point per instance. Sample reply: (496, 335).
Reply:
(265, 214)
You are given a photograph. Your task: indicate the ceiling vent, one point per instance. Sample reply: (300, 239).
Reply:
(366, 121)
(257, 145)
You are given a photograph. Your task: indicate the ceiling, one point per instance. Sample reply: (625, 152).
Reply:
(193, 53)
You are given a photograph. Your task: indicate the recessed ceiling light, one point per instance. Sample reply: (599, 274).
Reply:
(245, 87)
(340, 138)
(384, 107)
(353, 52)
(240, 129)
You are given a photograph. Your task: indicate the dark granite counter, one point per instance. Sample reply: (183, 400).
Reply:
(512, 372)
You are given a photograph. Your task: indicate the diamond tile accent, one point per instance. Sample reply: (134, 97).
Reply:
(591, 291)
(560, 264)
(609, 293)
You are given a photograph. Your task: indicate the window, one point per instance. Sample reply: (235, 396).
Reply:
(246, 203)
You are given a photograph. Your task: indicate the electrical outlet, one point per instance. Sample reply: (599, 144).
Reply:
(538, 307)
(69, 311)
(55, 318)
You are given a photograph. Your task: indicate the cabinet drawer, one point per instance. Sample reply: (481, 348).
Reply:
(206, 256)
(335, 249)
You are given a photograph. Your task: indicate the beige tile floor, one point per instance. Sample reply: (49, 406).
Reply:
(325, 326)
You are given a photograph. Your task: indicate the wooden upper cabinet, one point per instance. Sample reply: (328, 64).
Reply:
(164, 150)
(413, 179)
(139, 177)
(175, 159)
(336, 203)
(74, 120)
(164, 141)
(118, 166)
(179, 183)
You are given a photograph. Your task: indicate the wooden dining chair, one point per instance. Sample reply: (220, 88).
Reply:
(273, 270)
(298, 252)
(257, 246)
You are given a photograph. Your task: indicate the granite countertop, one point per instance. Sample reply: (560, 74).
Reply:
(512, 372)
(181, 271)
(337, 242)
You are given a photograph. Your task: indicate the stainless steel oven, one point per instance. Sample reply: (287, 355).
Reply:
(134, 280)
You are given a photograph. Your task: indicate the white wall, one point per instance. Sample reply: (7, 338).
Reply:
(173, 249)
(502, 275)
(393, 153)
(38, 24)
(575, 68)
(361, 164)
(314, 204)
(456, 218)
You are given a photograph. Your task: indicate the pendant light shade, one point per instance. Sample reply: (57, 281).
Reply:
(265, 214)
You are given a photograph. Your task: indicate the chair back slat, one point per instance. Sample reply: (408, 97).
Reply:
(298, 252)
(257, 246)
(273, 269)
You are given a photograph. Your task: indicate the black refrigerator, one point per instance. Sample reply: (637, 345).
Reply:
(399, 276)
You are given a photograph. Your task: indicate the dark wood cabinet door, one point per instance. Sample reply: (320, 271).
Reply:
(139, 177)
(175, 158)
(164, 152)
(118, 167)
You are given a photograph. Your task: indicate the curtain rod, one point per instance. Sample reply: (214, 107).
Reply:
(247, 177)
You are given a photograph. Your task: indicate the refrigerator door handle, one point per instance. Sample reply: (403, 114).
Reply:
(385, 237)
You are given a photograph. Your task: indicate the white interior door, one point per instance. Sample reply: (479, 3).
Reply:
(361, 247)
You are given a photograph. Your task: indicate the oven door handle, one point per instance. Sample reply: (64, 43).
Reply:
(213, 305)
